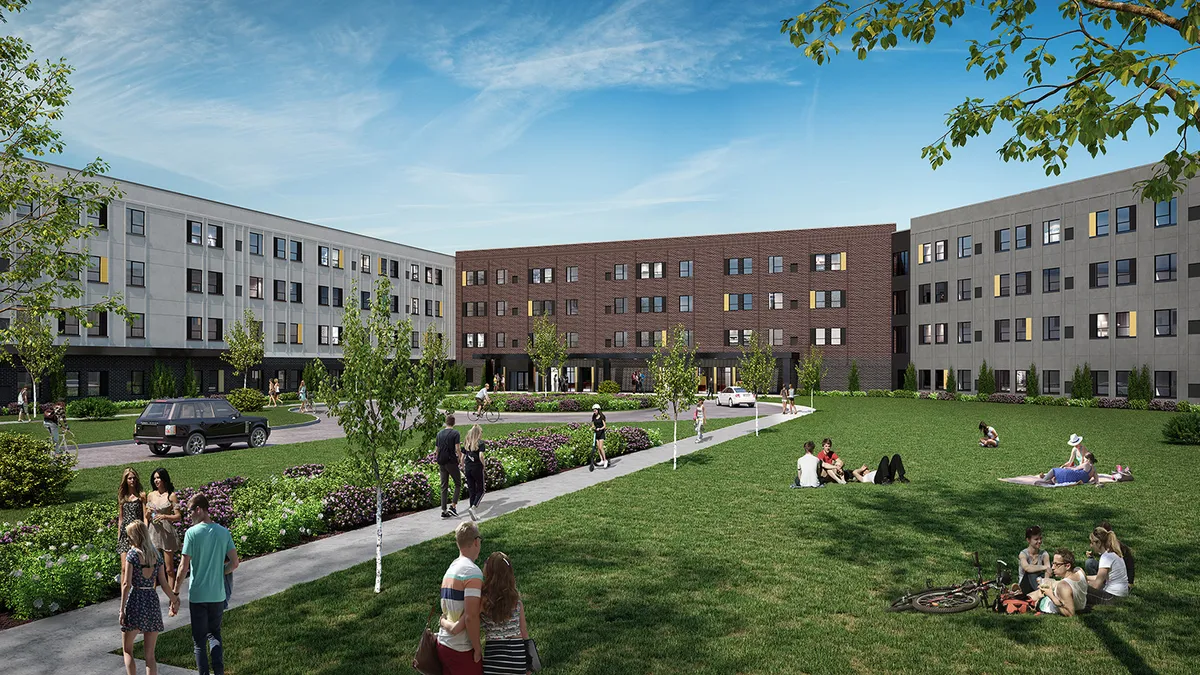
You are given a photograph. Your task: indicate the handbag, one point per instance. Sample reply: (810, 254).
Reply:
(426, 660)
(533, 661)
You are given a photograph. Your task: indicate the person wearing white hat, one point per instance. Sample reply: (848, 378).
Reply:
(1076, 458)
(600, 426)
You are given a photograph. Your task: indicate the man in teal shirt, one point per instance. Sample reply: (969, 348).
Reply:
(209, 554)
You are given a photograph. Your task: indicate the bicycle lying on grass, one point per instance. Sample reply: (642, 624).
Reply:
(966, 596)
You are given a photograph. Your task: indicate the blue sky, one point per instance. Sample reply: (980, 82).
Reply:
(465, 125)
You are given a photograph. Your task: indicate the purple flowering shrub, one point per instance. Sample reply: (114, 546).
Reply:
(1162, 405)
(1107, 402)
(411, 492)
(350, 506)
(520, 403)
(220, 502)
(635, 439)
(304, 471)
(1006, 398)
(569, 405)
(8, 536)
(494, 477)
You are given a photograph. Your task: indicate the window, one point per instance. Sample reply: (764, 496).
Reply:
(900, 302)
(1002, 286)
(137, 382)
(685, 303)
(775, 300)
(964, 289)
(195, 230)
(280, 290)
(572, 307)
(572, 274)
(337, 296)
(476, 277)
(964, 332)
(650, 270)
(336, 334)
(964, 380)
(644, 338)
(620, 272)
(295, 334)
(216, 235)
(364, 300)
(335, 258)
(1126, 219)
(195, 328)
(396, 305)
(735, 266)
(99, 327)
(1002, 330)
(195, 281)
(1125, 326)
(1023, 236)
(215, 283)
(215, 332)
(68, 325)
(1122, 383)
(256, 287)
(1099, 383)
(899, 339)
(1051, 232)
(1164, 214)
(136, 326)
(296, 292)
(541, 307)
(322, 335)
(685, 268)
(296, 252)
(414, 340)
(775, 264)
(1023, 330)
(280, 333)
(501, 277)
(135, 273)
(941, 292)
(97, 269)
(924, 295)
(618, 305)
(1051, 280)
(619, 338)
(1098, 326)
(964, 247)
(1127, 271)
(1022, 283)
(281, 248)
(740, 301)
(572, 340)
(323, 260)
(323, 295)
(1003, 383)
(1164, 322)
(925, 334)
(939, 250)
(1098, 224)
(899, 263)
(1003, 240)
(1164, 380)
(1051, 382)
(1164, 267)
(540, 275)
(1098, 275)
(939, 332)
(256, 243)
(1051, 326)
(437, 276)
(137, 220)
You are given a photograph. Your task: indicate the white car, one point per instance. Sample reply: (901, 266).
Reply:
(732, 396)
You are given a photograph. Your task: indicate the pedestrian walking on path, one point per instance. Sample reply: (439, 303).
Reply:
(209, 554)
(449, 459)
(601, 426)
(473, 448)
(22, 401)
(698, 419)
(140, 609)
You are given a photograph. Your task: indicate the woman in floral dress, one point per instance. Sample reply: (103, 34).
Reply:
(140, 610)
(131, 507)
(162, 512)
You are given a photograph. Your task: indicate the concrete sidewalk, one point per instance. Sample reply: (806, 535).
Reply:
(78, 642)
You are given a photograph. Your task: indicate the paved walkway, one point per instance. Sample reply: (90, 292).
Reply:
(78, 642)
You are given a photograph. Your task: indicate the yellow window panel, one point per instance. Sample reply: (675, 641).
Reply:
(382, 267)
(726, 302)
(103, 270)
(1092, 224)
(812, 299)
(664, 338)
(464, 279)
(530, 308)
(439, 307)
(1029, 328)
(996, 286)
(1133, 324)
(337, 258)
(843, 255)
(299, 333)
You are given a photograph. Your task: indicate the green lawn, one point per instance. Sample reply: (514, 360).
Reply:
(720, 568)
(121, 428)
(100, 484)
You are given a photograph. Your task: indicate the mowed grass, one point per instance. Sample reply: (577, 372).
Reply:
(719, 567)
(100, 484)
(121, 428)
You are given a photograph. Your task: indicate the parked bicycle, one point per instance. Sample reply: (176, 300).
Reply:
(963, 597)
(490, 414)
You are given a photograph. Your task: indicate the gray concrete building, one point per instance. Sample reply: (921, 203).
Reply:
(1080, 272)
(187, 267)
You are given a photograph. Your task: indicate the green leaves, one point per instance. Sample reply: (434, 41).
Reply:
(245, 344)
(548, 348)
(674, 374)
(756, 367)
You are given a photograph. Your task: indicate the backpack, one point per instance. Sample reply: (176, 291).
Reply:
(1014, 602)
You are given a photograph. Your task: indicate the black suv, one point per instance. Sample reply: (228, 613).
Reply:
(196, 423)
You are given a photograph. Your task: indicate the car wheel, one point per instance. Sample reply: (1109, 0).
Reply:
(195, 444)
(159, 449)
(258, 437)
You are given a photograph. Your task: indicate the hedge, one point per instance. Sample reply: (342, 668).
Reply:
(1160, 404)
(524, 402)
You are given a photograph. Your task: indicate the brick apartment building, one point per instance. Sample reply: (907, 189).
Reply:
(829, 287)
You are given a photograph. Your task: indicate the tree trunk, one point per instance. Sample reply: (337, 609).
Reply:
(756, 414)
(675, 450)
(245, 379)
(35, 395)
(378, 529)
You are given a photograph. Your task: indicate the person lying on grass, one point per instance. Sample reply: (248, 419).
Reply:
(831, 464)
(990, 439)
(889, 471)
(1085, 473)
(1066, 594)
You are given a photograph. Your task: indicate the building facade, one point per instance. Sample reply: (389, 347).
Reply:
(1080, 272)
(614, 301)
(187, 267)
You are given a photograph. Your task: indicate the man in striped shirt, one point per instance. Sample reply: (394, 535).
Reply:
(462, 654)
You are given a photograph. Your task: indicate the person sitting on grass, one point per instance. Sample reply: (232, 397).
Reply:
(1067, 593)
(831, 464)
(1111, 580)
(1085, 473)
(1034, 562)
(889, 471)
(1091, 566)
(990, 439)
(807, 468)
(1075, 459)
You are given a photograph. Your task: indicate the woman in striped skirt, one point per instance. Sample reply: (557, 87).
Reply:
(502, 619)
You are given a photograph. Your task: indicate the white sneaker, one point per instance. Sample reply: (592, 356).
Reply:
(605, 464)
(471, 511)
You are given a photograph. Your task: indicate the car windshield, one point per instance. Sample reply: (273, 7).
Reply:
(157, 411)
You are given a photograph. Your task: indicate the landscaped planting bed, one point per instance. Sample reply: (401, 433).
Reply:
(59, 559)
(553, 402)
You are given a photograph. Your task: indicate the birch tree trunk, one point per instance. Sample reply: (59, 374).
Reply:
(675, 450)
(35, 396)
(378, 530)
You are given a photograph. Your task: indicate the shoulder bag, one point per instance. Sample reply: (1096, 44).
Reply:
(426, 660)
(534, 662)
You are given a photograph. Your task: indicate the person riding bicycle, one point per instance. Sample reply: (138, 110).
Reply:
(481, 399)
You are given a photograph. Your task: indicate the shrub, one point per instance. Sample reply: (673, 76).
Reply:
(1005, 398)
(494, 477)
(519, 404)
(350, 506)
(289, 396)
(456, 377)
(1183, 406)
(951, 382)
(947, 396)
(569, 405)
(609, 387)
(987, 380)
(220, 501)
(282, 523)
(304, 471)
(545, 406)
(905, 393)
(910, 377)
(132, 404)
(1031, 380)
(411, 492)
(859, 393)
(1183, 429)
(1162, 404)
(852, 378)
(95, 407)
(162, 381)
(1138, 404)
(1107, 402)
(31, 473)
(247, 400)
(189, 387)
(879, 393)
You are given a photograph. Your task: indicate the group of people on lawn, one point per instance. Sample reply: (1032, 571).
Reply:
(815, 470)
(1053, 584)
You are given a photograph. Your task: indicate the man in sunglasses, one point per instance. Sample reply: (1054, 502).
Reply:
(209, 554)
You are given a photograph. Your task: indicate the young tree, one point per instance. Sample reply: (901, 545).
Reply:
(1123, 71)
(951, 383)
(810, 372)
(315, 376)
(548, 348)
(756, 368)
(987, 381)
(189, 388)
(1087, 384)
(33, 342)
(852, 380)
(676, 379)
(162, 381)
(245, 340)
(436, 368)
(378, 400)
(910, 377)
(1032, 386)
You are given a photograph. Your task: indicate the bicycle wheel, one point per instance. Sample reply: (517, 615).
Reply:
(492, 415)
(945, 602)
(473, 416)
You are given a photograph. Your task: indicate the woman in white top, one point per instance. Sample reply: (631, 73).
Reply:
(1066, 595)
(1075, 459)
(1111, 581)
(22, 401)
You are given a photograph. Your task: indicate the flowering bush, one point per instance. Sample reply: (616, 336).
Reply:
(220, 502)
(304, 471)
(350, 506)
(518, 404)
(633, 439)
(569, 405)
(1106, 402)
(284, 522)
(946, 396)
(1162, 405)
(1006, 398)
(494, 477)
(411, 492)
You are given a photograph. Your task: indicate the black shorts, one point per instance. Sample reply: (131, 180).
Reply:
(600, 434)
